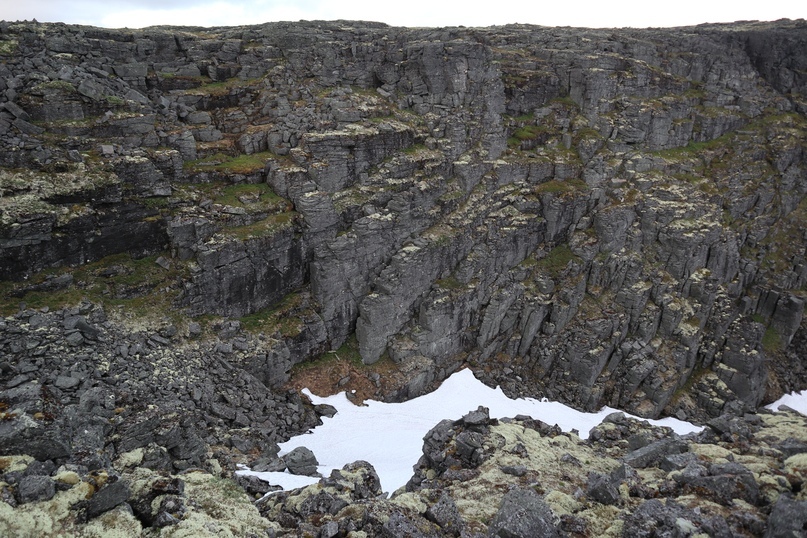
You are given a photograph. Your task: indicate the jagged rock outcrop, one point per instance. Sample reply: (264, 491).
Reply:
(595, 216)
(743, 475)
(524, 478)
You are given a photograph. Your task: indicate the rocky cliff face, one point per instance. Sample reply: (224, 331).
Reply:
(595, 216)
(189, 216)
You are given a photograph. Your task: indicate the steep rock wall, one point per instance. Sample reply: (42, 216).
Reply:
(598, 216)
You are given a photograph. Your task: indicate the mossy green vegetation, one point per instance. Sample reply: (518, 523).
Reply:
(282, 318)
(140, 286)
(450, 283)
(246, 195)
(561, 187)
(556, 260)
(348, 352)
(263, 228)
(219, 88)
(239, 164)
(693, 148)
(529, 132)
(414, 149)
(565, 101)
(772, 340)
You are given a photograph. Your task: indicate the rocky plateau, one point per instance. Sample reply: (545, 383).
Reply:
(197, 222)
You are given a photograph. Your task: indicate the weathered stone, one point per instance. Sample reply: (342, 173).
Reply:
(788, 518)
(523, 514)
(654, 452)
(403, 526)
(254, 485)
(107, 498)
(603, 489)
(35, 488)
(445, 514)
(654, 518)
(724, 483)
(301, 461)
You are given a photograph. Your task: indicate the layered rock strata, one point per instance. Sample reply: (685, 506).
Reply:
(595, 216)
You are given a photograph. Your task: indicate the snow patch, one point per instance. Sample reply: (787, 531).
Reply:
(390, 435)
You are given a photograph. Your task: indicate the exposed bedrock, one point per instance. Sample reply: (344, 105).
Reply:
(604, 217)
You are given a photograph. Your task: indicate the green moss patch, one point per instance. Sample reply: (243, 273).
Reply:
(239, 164)
(141, 286)
(263, 228)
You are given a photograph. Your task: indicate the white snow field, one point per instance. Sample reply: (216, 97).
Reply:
(390, 435)
(794, 400)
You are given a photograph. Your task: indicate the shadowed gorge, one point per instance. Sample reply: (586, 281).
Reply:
(197, 222)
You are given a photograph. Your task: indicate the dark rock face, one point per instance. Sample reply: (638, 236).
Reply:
(602, 218)
(107, 498)
(654, 516)
(594, 216)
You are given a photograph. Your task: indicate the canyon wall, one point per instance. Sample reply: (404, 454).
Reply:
(602, 217)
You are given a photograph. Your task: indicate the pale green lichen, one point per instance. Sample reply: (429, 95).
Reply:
(797, 465)
(784, 425)
(711, 453)
(413, 501)
(117, 523)
(478, 499)
(68, 477)
(43, 519)
(10, 464)
(129, 459)
(561, 503)
(220, 508)
(8, 46)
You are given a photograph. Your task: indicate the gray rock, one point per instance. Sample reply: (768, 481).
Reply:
(107, 498)
(403, 526)
(359, 477)
(515, 470)
(23, 435)
(254, 485)
(35, 488)
(724, 483)
(74, 338)
(791, 446)
(194, 329)
(654, 518)
(676, 462)
(480, 417)
(603, 488)
(301, 461)
(653, 453)
(66, 382)
(325, 410)
(322, 502)
(788, 518)
(523, 514)
(329, 530)
(445, 514)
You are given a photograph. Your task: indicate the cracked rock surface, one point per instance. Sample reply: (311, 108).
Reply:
(196, 223)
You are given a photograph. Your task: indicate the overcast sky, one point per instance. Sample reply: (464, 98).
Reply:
(590, 13)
